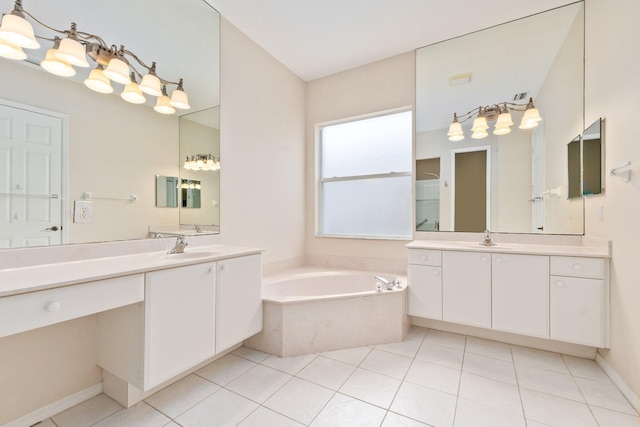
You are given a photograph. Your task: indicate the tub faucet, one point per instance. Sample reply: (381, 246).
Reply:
(487, 239)
(388, 284)
(181, 243)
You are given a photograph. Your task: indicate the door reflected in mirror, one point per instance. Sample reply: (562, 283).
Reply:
(539, 57)
(191, 190)
(167, 191)
(592, 149)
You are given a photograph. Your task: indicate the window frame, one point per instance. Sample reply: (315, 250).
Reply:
(319, 202)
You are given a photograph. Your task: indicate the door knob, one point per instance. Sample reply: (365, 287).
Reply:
(54, 228)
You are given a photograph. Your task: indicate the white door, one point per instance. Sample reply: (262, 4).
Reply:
(30, 178)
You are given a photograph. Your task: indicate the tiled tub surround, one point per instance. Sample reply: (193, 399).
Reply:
(432, 378)
(199, 290)
(312, 310)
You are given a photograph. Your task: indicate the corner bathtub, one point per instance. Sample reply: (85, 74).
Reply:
(315, 310)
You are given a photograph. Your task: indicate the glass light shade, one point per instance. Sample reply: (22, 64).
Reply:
(199, 163)
(503, 123)
(11, 51)
(163, 105)
(180, 100)
(57, 66)
(187, 164)
(73, 52)
(210, 163)
(479, 134)
(17, 30)
(150, 85)
(530, 119)
(118, 71)
(455, 132)
(479, 124)
(133, 94)
(98, 82)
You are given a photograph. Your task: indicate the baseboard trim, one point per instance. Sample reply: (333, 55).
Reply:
(56, 407)
(619, 382)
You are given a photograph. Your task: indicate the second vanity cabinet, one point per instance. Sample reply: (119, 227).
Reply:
(556, 297)
(189, 315)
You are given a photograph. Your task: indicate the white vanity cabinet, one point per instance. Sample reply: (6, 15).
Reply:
(189, 314)
(579, 300)
(541, 291)
(179, 320)
(239, 303)
(425, 278)
(520, 294)
(466, 288)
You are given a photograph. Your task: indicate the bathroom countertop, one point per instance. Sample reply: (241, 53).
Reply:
(603, 251)
(14, 281)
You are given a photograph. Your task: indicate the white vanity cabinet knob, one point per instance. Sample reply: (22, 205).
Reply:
(577, 267)
(52, 307)
(212, 270)
(483, 258)
(223, 267)
(436, 273)
(499, 260)
(559, 284)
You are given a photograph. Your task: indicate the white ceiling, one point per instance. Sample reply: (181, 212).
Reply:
(316, 38)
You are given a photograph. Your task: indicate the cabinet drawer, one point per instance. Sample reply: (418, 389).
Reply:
(24, 312)
(577, 267)
(425, 257)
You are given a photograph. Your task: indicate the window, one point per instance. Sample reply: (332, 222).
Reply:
(365, 177)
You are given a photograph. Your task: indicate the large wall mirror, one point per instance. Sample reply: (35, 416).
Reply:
(61, 143)
(515, 182)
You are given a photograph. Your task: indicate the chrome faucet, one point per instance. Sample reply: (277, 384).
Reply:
(487, 239)
(197, 228)
(181, 243)
(388, 284)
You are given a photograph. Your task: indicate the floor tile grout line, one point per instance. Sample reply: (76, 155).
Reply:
(455, 408)
(573, 378)
(515, 371)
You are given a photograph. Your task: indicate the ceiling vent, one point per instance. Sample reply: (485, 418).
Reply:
(520, 96)
(459, 79)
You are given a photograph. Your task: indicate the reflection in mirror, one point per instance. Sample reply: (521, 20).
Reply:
(167, 191)
(99, 143)
(539, 57)
(200, 138)
(592, 150)
(574, 170)
(191, 193)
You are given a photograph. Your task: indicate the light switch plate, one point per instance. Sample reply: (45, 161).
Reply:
(82, 212)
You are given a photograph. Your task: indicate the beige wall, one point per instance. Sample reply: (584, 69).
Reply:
(46, 365)
(612, 46)
(376, 87)
(115, 149)
(262, 150)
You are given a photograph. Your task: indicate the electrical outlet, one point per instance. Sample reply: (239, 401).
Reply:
(82, 212)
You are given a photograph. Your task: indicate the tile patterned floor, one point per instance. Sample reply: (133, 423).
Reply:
(433, 378)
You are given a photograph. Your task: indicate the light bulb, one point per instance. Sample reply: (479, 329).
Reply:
(18, 31)
(11, 51)
(98, 82)
(118, 71)
(55, 65)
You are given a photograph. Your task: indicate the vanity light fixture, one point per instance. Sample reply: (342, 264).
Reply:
(500, 113)
(202, 162)
(72, 49)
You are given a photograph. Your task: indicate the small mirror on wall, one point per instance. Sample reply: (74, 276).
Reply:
(592, 159)
(166, 191)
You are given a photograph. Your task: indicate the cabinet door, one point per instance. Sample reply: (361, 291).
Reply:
(466, 288)
(577, 310)
(179, 320)
(520, 294)
(425, 291)
(239, 300)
